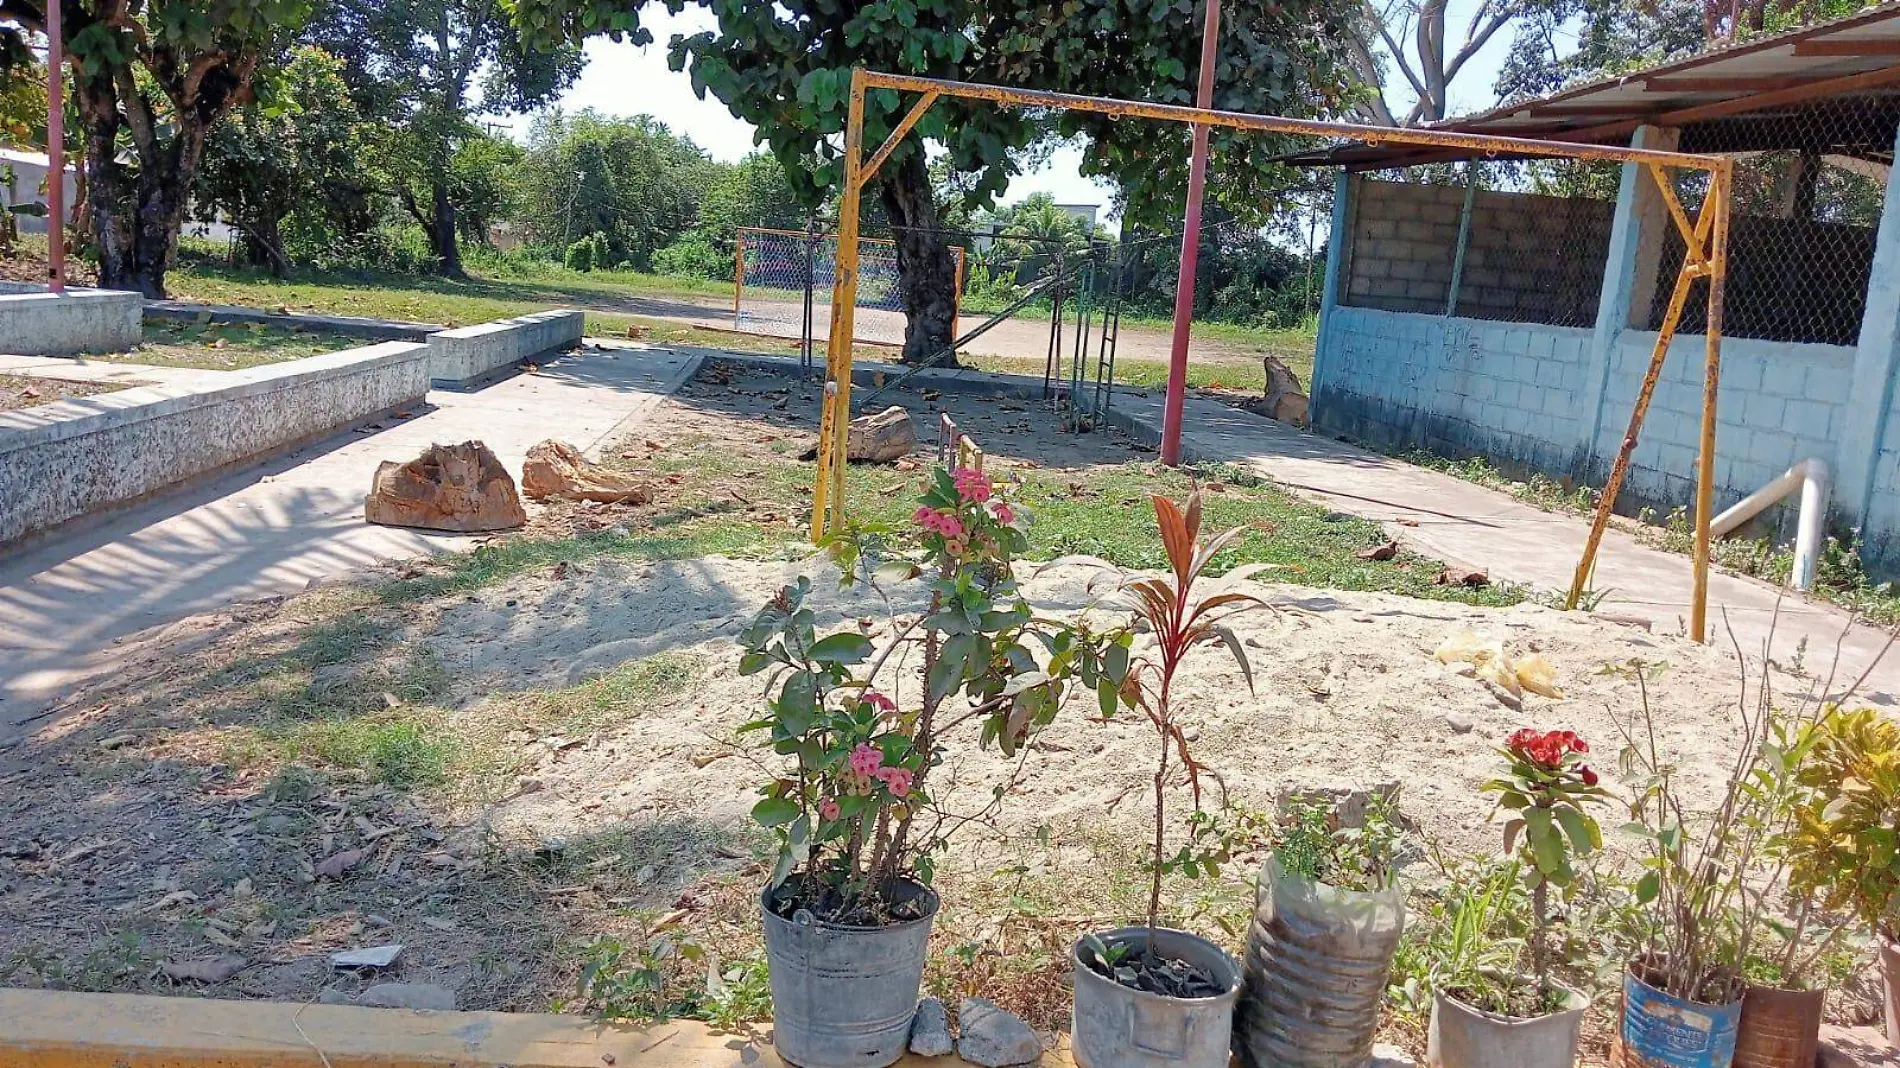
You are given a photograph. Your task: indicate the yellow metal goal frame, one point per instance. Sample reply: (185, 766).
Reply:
(1705, 256)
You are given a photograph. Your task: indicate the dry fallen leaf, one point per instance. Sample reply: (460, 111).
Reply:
(333, 867)
(215, 970)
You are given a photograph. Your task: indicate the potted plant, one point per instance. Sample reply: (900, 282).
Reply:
(1328, 916)
(1484, 1015)
(848, 909)
(1844, 852)
(1699, 896)
(1151, 995)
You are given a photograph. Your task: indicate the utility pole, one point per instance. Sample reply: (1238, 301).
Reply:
(55, 151)
(1190, 249)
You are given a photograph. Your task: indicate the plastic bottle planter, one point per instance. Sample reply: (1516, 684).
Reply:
(1116, 1027)
(1779, 1028)
(1661, 1031)
(843, 997)
(1316, 969)
(1462, 1036)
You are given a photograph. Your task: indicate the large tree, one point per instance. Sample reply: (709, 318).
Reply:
(299, 151)
(632, 181)
(785, 68)
(150, 79)
(430, 69)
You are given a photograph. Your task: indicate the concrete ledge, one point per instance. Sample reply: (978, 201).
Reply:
(346, 325)
(465, 356)
(68, 459)
(34, 322)
(46, 1029)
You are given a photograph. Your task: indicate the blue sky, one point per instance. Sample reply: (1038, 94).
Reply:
(623, 80)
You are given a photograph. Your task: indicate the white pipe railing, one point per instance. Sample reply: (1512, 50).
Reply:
(1811, 476)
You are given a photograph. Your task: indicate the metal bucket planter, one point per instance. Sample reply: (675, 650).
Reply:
(1662, 1031)
(1317, 962)
(1118, 1027)
(1890, 987)
(1779, 1028)
(1463, 1036)
(843, 997)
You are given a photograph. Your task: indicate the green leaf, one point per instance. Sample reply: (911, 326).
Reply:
(775, 811)
(1547, 849)
(843, 648)
(798, 703)
(1648, 887)
(1584, 835)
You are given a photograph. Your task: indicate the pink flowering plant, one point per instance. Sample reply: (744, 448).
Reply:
(861, 726)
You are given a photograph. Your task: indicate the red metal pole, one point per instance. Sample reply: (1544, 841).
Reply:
(1190, 250)
(55, 151)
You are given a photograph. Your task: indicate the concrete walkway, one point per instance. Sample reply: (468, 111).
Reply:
(271, 529)
(1460, 522)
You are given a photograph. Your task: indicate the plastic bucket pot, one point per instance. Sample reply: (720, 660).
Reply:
(1661, 1031)
(1317, 962)
(1779, 1028)
(1462, 1036)
(843, 997)
(1118, 1027)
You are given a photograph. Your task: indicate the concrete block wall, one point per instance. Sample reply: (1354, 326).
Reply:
(71, 458)
(465, 356)
(1403, 240)
(1778, 404)
(1454, 386)
(34, 322)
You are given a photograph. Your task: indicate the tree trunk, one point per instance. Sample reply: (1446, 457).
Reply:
(926, 272)
(448, 258)
(136, 216)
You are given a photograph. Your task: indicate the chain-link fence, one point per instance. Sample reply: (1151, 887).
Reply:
(1512, 242)
(783, 281)
(1801, 236)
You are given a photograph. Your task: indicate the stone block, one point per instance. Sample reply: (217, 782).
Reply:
(1763, 411)
(76, 322)
(1784, 378)
(467, 355)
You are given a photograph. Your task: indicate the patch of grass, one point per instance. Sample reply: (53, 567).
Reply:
(225, 346)
(611, 698)
(1249, 376)
(398, 747)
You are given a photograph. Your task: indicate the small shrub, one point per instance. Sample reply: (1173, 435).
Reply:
(692, 256)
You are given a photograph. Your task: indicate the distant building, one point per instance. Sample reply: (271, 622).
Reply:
(23, 181)
(1085, 212)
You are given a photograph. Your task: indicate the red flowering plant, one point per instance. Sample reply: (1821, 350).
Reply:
(1544, 797)
(855, 815)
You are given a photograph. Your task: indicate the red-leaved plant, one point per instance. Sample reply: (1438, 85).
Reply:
(1178, 621)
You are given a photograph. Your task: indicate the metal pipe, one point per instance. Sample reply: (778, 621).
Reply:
(1720, 186)
(1240, 120)
(1813, 479)
(834, 424)
(1173, 408)
(55, 150)
(1464, 240)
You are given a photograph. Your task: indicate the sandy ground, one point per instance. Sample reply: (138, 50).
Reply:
(153, 825)
(19, 391)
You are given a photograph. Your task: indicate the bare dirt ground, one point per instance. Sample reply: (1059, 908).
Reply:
(27, 391)
(492, 764)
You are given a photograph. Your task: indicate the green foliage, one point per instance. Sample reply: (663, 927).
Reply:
(1845, 849)
(752, 192)
(1466, 940)
(588, 253)
(633, 980)
(693, 257)
(631, 182)
(1314, 844)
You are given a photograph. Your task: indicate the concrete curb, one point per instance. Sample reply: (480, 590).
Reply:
(346, 325)
(56, 1029)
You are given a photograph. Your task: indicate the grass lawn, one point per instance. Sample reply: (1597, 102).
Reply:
(226, 346)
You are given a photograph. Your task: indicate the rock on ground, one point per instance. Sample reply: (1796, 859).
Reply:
(555, 469)
(993, 1038)
(458, 488)
(1389, 1056)
(882, 438)
(407, 996)
(930, 1029)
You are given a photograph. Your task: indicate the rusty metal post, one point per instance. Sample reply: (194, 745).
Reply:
(827, 505)
(55, 150)
(738, 270)
(1174, 407)
(1694, 265)
(1720, 189)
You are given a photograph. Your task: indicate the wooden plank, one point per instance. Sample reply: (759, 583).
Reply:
(1754, 83)
(57, 1029)
(1882, 46)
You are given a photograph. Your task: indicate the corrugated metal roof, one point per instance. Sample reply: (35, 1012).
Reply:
(1719, 97)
